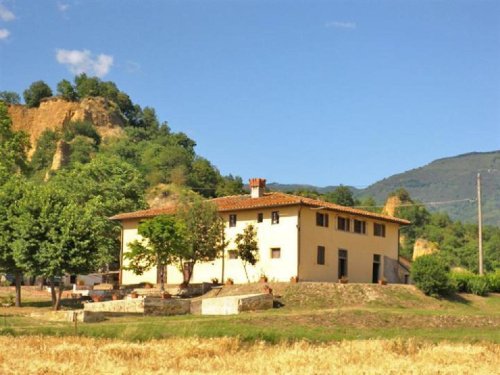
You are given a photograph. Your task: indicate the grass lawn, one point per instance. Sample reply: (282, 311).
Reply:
(311, 311)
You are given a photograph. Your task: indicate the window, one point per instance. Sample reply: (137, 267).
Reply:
(232, 220)
(359, 226)
(275, 253)
(232, 254)
(379, 230)
(320, 259)
(342, 263)
(321, 219)
(343, 224)
(260, 217)
(275, 217)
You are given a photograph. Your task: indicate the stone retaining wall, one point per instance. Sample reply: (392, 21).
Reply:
(147, 306)
(231, 305)
(70, 316)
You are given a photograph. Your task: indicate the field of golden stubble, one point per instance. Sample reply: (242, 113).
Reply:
(56, 355)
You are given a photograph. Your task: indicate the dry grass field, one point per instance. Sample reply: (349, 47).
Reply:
(79, 355)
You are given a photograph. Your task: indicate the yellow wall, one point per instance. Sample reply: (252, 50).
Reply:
(360, 248)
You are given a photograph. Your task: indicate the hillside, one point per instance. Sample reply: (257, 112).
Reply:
(54, 113)
(450, 179)
(447, 179)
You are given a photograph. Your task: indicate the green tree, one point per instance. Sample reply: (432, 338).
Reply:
(10, 97)
(11, 192)
(229, 185)
(58, 236)
(164, 238)
(67, 91)
(44, 153)
(14, 147)
(205, 234)
(203, 177)
(431, 275)
(35, 93)
(247, 247)
(342, 195)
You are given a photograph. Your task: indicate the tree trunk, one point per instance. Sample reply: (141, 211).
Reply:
(246, 273)
(52, 291)
(42, 281)
(187, 272)
(162, 278)
(19, 278)
(57, 305)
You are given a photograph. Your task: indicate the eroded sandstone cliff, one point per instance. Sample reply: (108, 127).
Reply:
(54, 112)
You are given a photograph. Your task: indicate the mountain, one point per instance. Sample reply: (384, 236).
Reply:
(451, 180)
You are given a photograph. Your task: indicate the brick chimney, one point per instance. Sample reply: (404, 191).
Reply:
(257, 187)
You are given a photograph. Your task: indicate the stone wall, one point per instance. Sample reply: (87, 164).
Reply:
(147, 306)
(70, 316)
(173, 306)
(231, 305)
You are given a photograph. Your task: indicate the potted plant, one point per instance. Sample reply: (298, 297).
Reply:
(294, 279)
(267, 289)
(343, 280)
(229, 281)
(166, 295)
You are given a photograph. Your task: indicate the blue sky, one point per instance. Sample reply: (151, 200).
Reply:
(319, 92)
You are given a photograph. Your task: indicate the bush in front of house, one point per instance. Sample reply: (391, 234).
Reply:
(431, 275)
(478, 285)
(461, 280)
(494, 281)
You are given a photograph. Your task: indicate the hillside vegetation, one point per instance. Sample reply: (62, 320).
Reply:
(448, 179)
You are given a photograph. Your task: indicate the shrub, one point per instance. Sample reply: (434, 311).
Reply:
(460, 281)
(478, 285)
(430, 274)
(494, 281)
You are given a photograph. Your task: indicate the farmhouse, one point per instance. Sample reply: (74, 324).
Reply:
(297, 236)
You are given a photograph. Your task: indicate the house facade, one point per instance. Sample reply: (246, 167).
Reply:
(297, 237)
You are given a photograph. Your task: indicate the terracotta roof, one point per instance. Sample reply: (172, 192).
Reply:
(274, 199)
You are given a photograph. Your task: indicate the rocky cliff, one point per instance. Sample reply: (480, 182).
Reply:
(54, 113)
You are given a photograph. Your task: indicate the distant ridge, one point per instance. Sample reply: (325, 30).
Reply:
(446, 179)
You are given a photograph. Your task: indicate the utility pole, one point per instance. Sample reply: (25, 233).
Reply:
(480, 224)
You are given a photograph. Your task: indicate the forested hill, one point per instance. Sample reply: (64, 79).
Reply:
(450, 179)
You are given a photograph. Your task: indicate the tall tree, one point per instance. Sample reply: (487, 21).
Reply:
(10, 97)
(35, 93)
(14, 147)
(341, 195)
(66, 90)
(164, 238)
(205, 234)
(247, 247)
(11, 192)
(58, 236)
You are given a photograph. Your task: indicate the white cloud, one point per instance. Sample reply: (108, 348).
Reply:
(84, 62)
(5, 14)
(62, 7)
(4, 34)
(341, 25)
